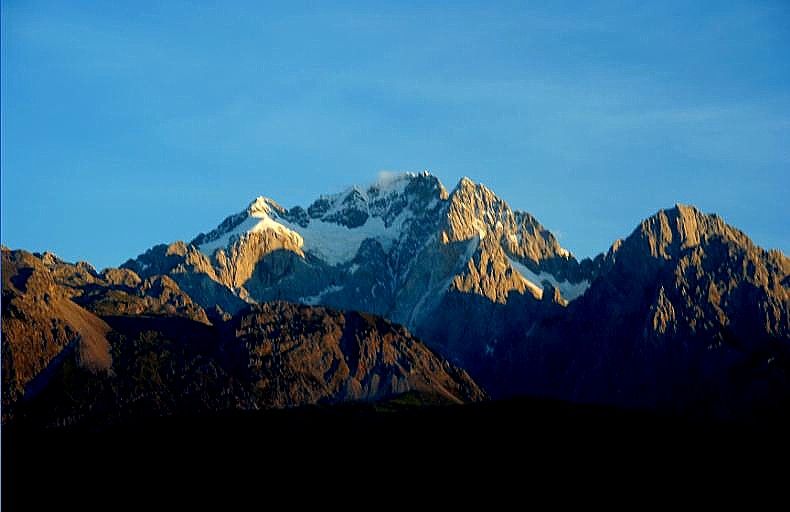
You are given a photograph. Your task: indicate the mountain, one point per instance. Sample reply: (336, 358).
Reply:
(685, 314)
(86, 347)
(402, 248)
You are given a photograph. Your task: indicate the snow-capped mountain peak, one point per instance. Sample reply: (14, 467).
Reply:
(259, 217)
(398, 246)
(334, 226)
(262, 205)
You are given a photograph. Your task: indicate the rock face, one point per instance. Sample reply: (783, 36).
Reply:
(41, 325)
(79, 346)
(302, 354)
(115, 291)
(687, 314)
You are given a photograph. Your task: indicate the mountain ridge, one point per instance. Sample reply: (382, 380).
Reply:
(81, 346)
(685, 313)
(400, 220)
(696, 311)
(480, 282)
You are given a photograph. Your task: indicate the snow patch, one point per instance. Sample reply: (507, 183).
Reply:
(471, 247)
(334, 243)
(338, 202)
(535, 288)
(433, 291)
(330, 241)
(315, 299)
(481, 228)
(568, 290)
(337, 244)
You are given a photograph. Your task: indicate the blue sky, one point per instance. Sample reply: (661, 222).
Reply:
(127, 124)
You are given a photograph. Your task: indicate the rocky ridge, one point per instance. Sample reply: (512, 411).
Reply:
(687, 314)
(82, 346)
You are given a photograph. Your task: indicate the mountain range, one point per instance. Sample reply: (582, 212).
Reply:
(393, 288)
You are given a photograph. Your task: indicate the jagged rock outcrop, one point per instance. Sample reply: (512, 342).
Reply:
(116, 291)
(191, 270)
(158, 295)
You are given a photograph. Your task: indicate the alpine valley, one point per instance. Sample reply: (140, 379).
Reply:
(401, 288)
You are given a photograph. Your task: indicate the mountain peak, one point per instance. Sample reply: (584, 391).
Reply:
(261, 205)
(466, 188)
(668, 232)
(686, 209)
(679, 227)
(465, 181)
(357, 248)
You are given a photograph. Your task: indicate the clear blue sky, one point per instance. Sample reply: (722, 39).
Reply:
(126, 124)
